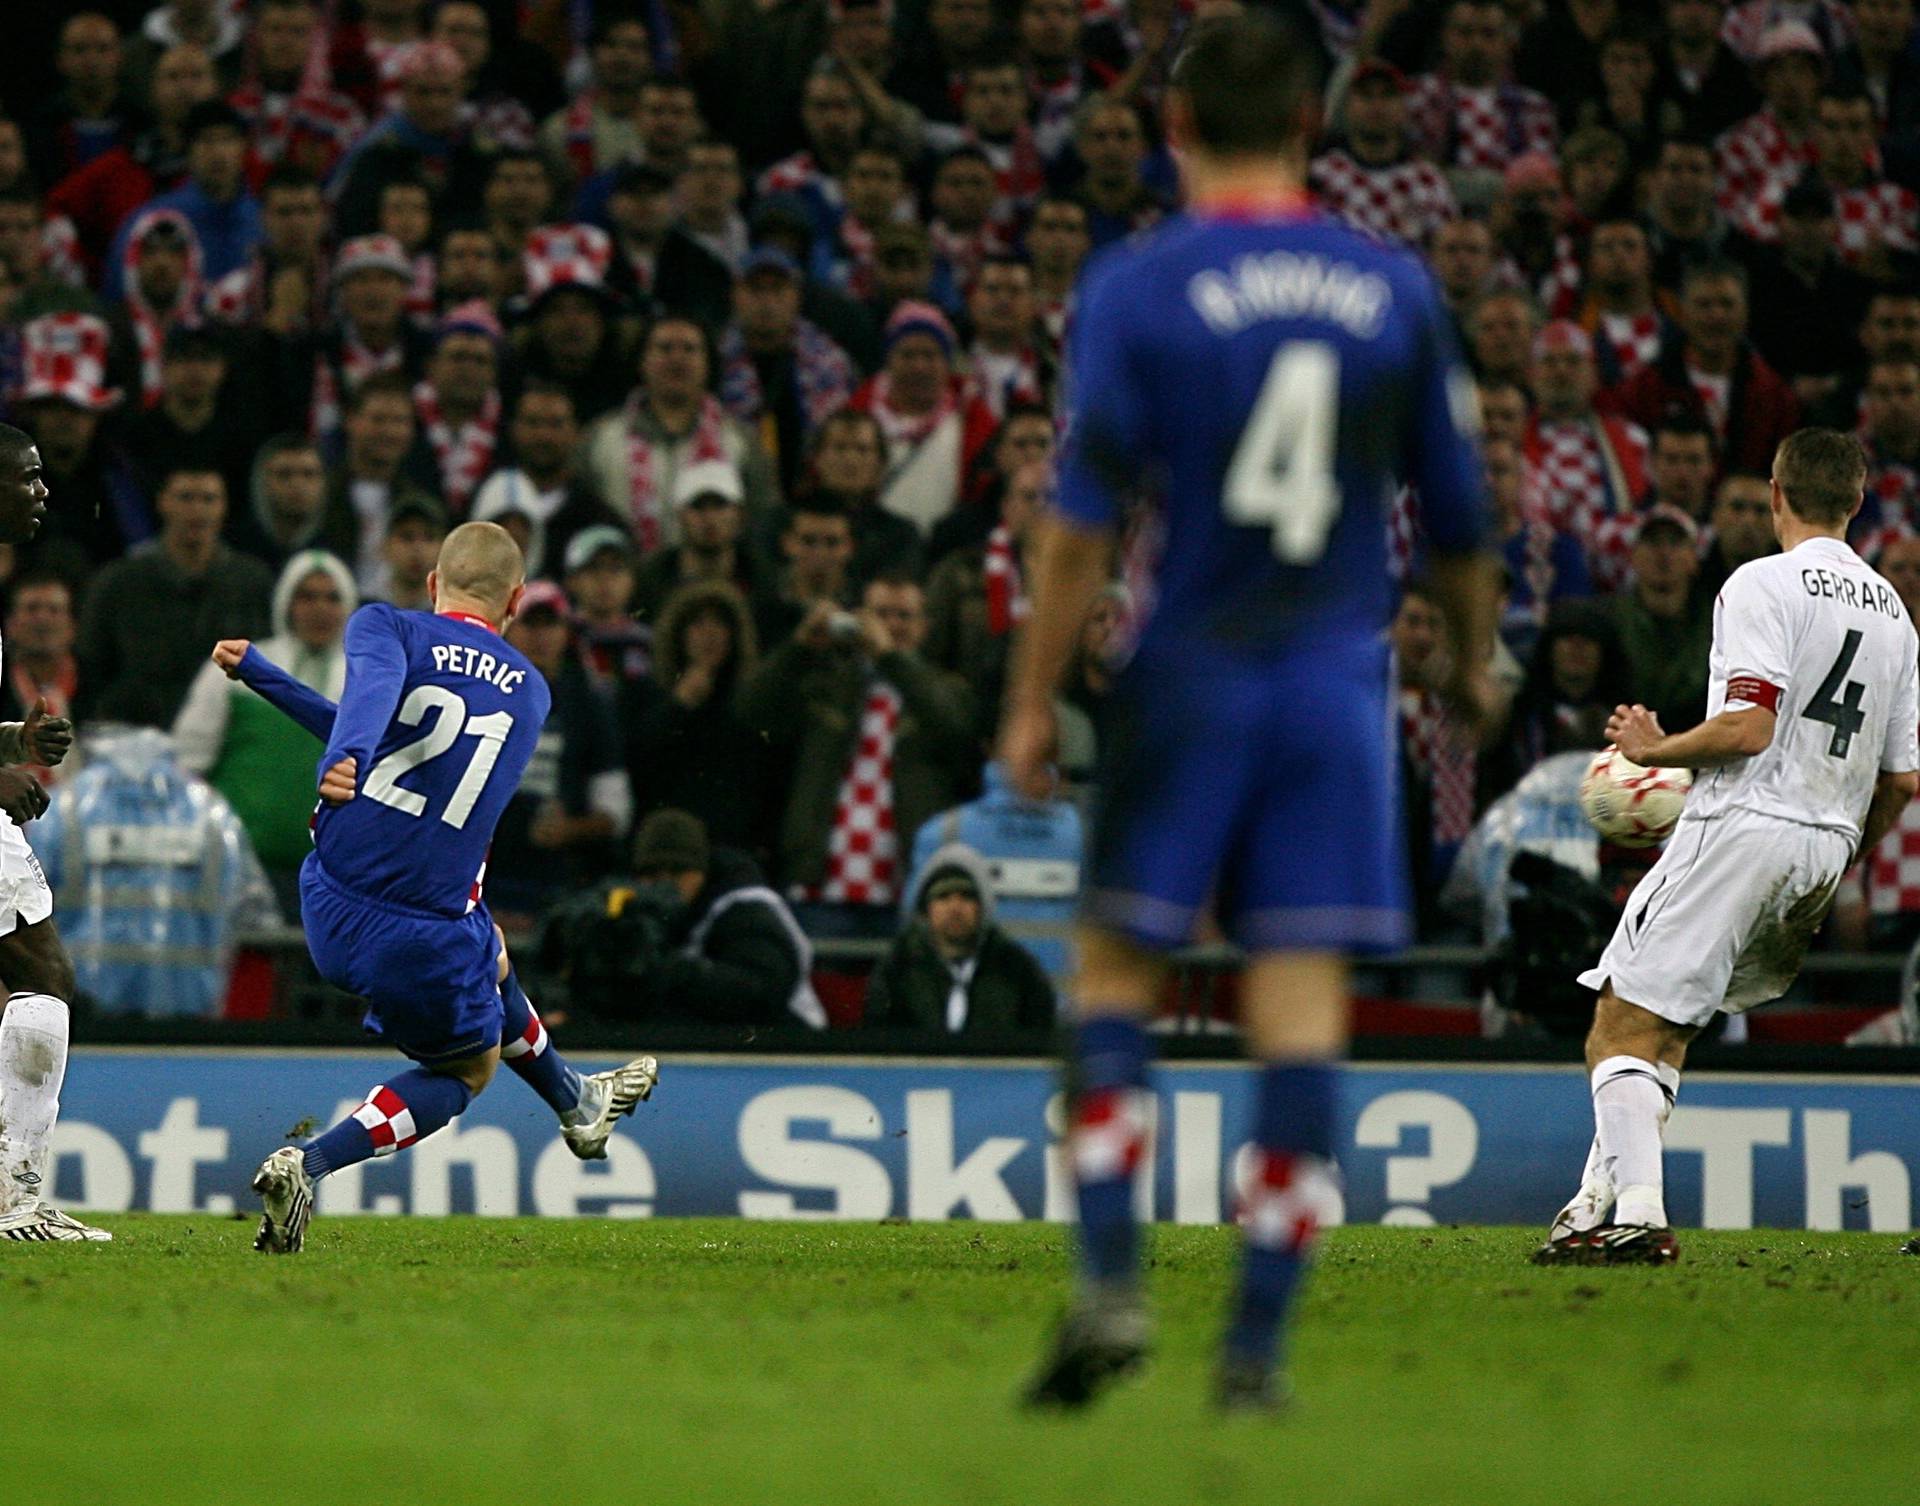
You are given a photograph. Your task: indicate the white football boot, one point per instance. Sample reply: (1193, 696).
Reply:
(286, 1196)
(1589, 1209)
(605, 1097)
(38, 1223)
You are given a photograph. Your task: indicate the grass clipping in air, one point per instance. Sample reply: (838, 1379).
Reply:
(524, 1361)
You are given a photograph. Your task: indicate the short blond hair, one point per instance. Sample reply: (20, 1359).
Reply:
(481, 562)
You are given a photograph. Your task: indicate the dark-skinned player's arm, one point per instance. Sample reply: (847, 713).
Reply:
(253, 669)
(376, 674)
(40, 739)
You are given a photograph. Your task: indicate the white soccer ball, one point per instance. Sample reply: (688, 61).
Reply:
(1631, 806)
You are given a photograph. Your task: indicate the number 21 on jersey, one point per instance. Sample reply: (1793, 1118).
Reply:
(450, 723)
(1282, 470)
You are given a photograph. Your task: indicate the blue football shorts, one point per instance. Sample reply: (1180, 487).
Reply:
(429, 980)
(1268, 788)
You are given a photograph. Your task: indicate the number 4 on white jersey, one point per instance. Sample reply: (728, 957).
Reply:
(1282, 470)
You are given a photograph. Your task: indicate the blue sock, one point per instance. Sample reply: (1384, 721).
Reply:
(524, 1046)
(1290, 1190)
(397, 1113)
(1107, 1138)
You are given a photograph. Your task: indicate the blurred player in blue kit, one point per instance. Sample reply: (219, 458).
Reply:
(1273, 376)
(434, 728)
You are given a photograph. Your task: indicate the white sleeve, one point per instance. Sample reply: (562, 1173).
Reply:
(1901, 754)
(1755, 642)
(200, 728)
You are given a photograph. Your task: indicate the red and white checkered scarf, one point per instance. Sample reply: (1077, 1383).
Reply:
(327, 411)
(646, 507)
(857, 255)
(863, 848)
(1006, 589)
(799, 174)
(577, 135)
(1021, 384)
(1438, 749)
(905, 431)
(283, 127)
(1019, 172)
(150, 325)
(965, 252)
(463, 456)
(1634, 340)
(422, 303)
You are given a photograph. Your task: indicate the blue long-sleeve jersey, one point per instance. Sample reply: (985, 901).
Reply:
(441, 716)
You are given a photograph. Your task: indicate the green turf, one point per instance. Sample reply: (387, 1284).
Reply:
(409, 1363)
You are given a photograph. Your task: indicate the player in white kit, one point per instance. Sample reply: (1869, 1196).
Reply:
(33, 963)
(1808, 755)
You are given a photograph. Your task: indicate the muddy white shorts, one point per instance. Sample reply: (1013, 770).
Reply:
(24, 895)
(1723, 919)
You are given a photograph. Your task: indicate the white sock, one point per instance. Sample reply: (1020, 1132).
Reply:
(1670, 1086)
(1628, 1104)
(33, 1064)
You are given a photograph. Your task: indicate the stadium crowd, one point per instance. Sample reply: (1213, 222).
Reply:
(746, 317)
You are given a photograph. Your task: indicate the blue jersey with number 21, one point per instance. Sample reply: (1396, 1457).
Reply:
(1275, 379)
(441, 715)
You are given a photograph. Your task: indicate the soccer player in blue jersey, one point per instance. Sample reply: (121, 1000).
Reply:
(1274, 376)
(433, 731)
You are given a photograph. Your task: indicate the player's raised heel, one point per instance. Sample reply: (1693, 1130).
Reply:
(605, 1098)
(286, 1195)
(38, 1224)
(1096, 1344)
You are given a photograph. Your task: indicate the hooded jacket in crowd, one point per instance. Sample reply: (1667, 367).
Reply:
(254, 755)
(996, 988)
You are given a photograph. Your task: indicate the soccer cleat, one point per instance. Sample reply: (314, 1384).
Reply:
(1244, 1389)
(605, 1097)
(1587, 1212)
(1912, 1246)
(37, 1223)
(1631, 1244)
(1611, 1244)
(286, 1191)
(1563, 1249)
(1100, 1341)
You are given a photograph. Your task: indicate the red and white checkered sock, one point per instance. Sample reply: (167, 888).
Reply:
(401, 1110)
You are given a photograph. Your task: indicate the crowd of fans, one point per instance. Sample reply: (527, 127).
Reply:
(746, 317)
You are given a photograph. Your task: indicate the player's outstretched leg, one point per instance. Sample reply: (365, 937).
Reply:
(588, 1107)
(1104, 1334)
(1289, 1191)
(33, 1065)
(401, 1110)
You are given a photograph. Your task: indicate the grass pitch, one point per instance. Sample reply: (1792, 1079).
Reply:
(475, 1361)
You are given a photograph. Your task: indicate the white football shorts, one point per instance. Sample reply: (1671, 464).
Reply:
(1723, 919)
(24, 895)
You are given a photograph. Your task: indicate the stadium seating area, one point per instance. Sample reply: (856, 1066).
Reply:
(747, 318)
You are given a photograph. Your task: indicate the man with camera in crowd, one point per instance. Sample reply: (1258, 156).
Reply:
(692, 933)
